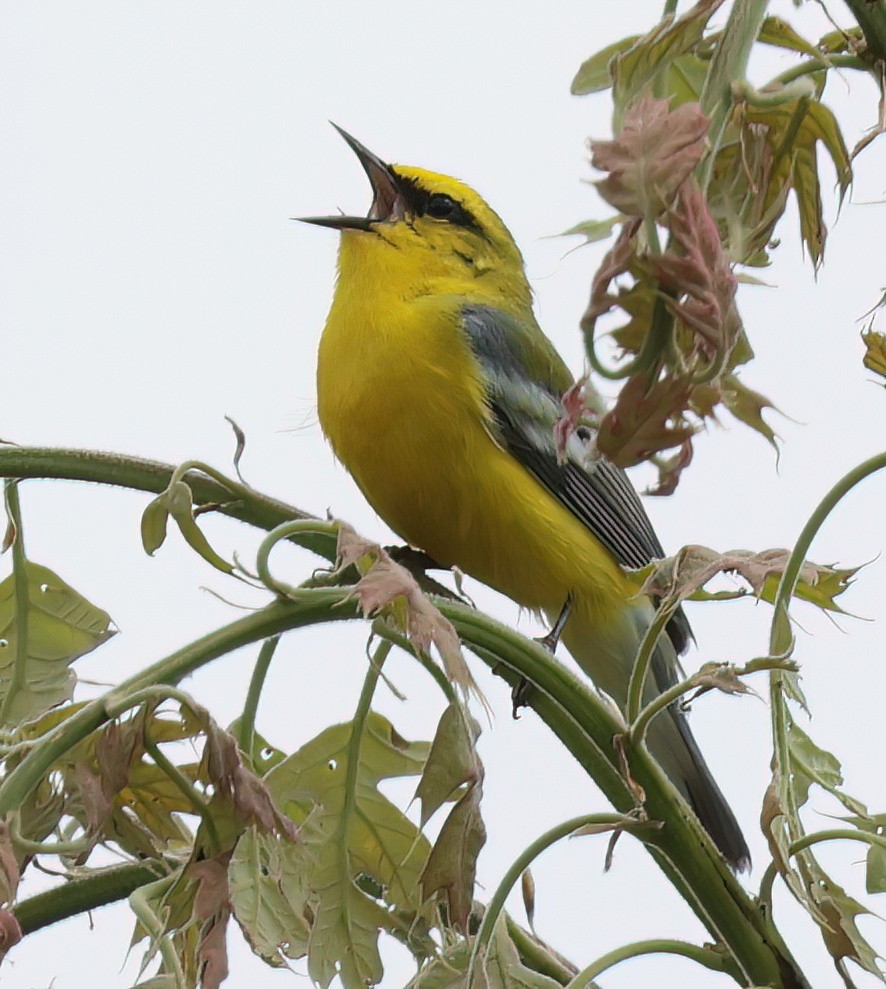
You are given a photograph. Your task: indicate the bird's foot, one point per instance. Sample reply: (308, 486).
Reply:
(521, 691)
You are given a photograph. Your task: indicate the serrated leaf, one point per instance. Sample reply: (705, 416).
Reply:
(840, 933)
(388, 588)
(593, 75)
(356, 836)
(62, 626)
(164, 981)
(685, 79)
(812, 764)
(748, 406)
(792, 131)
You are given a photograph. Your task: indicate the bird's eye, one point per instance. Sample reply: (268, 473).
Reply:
(441, 207)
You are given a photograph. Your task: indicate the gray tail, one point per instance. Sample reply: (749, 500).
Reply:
(707, 800)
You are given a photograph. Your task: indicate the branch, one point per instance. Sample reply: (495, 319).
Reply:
(152, 476)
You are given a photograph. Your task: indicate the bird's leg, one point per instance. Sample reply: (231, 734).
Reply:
(552, 639)
(550, 642)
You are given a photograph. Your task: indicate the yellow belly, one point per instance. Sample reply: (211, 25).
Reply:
(402, 404)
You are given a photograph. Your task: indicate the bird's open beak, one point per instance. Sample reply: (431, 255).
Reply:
(388, 201)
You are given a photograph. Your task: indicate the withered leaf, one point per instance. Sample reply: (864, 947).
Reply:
(646, 418)
(452, 865)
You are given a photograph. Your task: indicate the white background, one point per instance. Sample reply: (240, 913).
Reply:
(151, 282)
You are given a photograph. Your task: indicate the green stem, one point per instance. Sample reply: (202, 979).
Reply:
(516, 869)
(321, 605)
(781, 636)
(18, 676)
(358, 726)
(155, 929)
(802, 88)
(155, 694)
(73, 847)
(185, 787)
(288, 530)
(654, 345)
(728, 64)
(637, 683)
(151, 476)
(788, 584)
(871, 18)
(836, 834)
(76, 896)
(682, 849)
(712, 960)
(537, 956)
(384, 631)
(246, 728)
(664, 700)
(813, 65)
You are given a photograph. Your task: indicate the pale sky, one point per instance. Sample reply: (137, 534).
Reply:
(151, 282)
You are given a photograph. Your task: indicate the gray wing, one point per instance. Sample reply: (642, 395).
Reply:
(524, 411)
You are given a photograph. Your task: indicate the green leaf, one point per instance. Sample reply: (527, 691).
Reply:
(502, 969)
(849, 39)
(452, 762)
(153, 525)
(61, 626)
(652, 54)
(812, 764)
(355, 836)
(875, 874)
(778, 33)
(792, 131)
(593, 75)
(177, 501)
(269, 895)
(875, 352)
(685, 79)
(748, 406)
(593, 230)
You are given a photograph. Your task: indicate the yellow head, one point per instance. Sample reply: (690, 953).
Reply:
(427, 234)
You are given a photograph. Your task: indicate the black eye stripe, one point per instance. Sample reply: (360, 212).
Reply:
(438, 205)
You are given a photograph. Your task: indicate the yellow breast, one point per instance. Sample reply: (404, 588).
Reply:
(401, 399)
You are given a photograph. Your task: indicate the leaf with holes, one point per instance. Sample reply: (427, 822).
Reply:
(268, 879)
(358, 841)
(44, 626)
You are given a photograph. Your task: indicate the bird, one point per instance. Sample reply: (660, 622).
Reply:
(438, 392)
